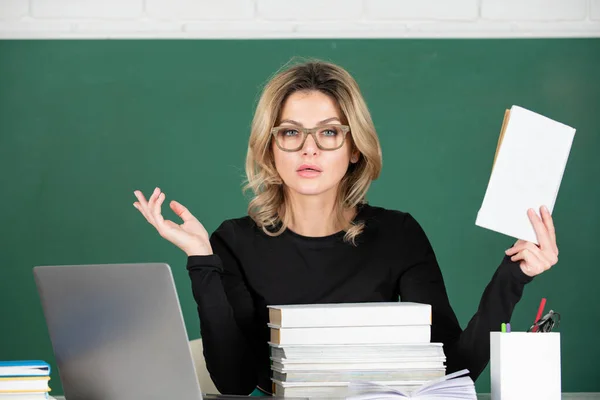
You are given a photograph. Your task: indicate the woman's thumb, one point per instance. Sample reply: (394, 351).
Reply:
(177, 207)
(180, 210)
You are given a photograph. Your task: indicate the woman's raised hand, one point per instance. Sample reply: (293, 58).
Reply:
(535, 259)
(190, 236)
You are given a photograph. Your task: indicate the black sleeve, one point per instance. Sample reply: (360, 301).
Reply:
(226, 313)
(422, 282)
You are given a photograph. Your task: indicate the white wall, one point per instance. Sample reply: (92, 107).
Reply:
(298, 18)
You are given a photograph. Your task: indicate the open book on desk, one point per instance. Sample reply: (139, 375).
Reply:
(457, 385)
(214, 397)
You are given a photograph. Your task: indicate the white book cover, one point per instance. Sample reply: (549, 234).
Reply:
(404, 348)
(345, 383)
(352, 335)
(359, 375)
(350, 314)
(351, 359)
(357, 365)
(529, 165)
(336, 352)
(327, 392)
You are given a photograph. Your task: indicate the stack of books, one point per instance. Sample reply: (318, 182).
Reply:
(317, 350)
(24, 380)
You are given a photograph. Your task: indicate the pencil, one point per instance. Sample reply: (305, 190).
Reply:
(539, 314)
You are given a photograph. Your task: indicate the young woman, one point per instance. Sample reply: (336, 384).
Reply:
(310, 236)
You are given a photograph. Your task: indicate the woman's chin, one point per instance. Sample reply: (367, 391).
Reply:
(309, 189)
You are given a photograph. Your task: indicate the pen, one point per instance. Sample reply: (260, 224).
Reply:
(508, 327)
(503, 327)
(539, 314)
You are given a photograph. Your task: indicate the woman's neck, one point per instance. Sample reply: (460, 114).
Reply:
(315, 216)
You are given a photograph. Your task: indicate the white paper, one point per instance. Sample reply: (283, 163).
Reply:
(527, 173)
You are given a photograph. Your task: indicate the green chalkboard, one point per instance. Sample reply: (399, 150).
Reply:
(85, 123)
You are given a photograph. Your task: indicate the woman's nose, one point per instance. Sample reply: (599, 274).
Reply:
(310, 146)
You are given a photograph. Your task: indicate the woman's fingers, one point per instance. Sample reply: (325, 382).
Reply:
(540, 230)
(142, 205)
(526, 247)
(518, 246)
(148, 208)
(521, 254)
(156, 210)
(533, 261)
(140, 209)
(140, 196)
(182, 211)
(547, 251)
(528, 261)
(549, 223)
(152, 198)
(151, 209)
(547, 256)
(156, 219)
(191, 237)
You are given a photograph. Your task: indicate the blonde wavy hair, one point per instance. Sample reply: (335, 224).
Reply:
(269, 208)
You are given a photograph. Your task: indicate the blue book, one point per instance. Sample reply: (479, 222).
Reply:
(24, 368)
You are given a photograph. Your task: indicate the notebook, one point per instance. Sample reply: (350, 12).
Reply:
(528, 168)
(24, 368)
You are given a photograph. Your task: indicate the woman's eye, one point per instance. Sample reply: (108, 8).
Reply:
(329, 132)
(290, 132)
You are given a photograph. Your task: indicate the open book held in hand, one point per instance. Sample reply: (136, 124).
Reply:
(457, 385)
(530, 160)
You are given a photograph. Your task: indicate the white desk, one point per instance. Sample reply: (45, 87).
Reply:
(487, 396)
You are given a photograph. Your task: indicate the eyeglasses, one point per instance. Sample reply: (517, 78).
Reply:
(327, 137)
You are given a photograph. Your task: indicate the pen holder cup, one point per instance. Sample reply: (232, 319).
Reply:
(525, 365)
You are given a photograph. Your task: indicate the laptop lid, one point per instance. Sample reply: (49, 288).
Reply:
(117, 332)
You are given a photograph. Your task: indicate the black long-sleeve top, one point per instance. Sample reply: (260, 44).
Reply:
(393, 259)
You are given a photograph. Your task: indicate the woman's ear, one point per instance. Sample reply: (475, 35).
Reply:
(355, 156)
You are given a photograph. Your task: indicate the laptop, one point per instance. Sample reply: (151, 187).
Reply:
(118, 333)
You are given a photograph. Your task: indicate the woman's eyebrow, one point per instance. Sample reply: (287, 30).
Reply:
(328, 120)
(291, 121)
